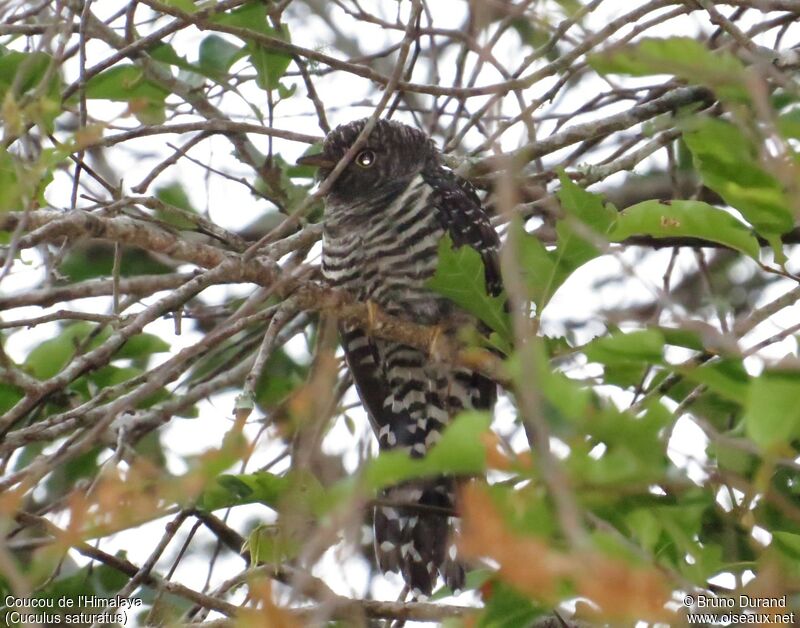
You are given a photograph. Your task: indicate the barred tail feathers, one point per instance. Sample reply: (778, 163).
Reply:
(416, 538)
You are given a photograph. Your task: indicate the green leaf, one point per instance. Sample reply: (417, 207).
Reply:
(24, 70)
(789, 124)
(175, 195)
(142, 345)
(461, 278)
(682, 338)
(126, 83)
(591, 210)
(11, 193)
(728, 164)
(50, 356)
(567, 401)
(460, 451)
(726, 377)
(93, 580)
(271, 544)
(772, 411)
(506, 608)
(78, 468)
(537, 265)
(626, 355)
(280, 376)
(619, 348)
(9, 396)
(217, 55)
(788, 543)
(23, 183)
(96, 259)
(683, 57)
(545, 271)
(694, 219)
(634, 451)
(249, 488)
(286, 92)
(165, 53)
(270, 65)
(252, 15)
(184, 5)
(732, 458)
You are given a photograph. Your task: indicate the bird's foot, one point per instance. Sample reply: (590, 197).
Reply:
(373, 315)
(438, 345)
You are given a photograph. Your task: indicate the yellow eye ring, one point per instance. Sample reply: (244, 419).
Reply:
(366, 158)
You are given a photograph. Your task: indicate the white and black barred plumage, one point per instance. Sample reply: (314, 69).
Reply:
(384, 218)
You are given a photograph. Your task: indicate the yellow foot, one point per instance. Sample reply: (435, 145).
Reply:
(437, 347)
(373, 315)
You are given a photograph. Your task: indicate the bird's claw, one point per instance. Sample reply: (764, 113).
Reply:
(373, 315)
(436, 348)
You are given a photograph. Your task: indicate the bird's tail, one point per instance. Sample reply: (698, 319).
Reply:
(414, 524)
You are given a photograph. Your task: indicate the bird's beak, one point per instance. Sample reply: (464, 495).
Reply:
(318, 160)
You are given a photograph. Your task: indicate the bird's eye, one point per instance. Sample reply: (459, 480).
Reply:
(366, 158)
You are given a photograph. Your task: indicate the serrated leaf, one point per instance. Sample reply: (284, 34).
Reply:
(165, 53)
(270, 65)
(589, 208)
(728, 164)
(546, 270)
(694, 219)
(460, 451)
(683, 57)
(217, 55)
(252, 15)
(460, 277)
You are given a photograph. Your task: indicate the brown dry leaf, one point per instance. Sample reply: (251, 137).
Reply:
(10, 501)
(268, 615)
(496, 458)
(88, 136)
(623, 591)
(118, 501)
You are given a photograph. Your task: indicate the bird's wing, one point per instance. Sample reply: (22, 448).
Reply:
(462, 215)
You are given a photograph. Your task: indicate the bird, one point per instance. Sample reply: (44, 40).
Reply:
(384, 218)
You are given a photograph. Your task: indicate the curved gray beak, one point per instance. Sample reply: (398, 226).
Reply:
(317, 161)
